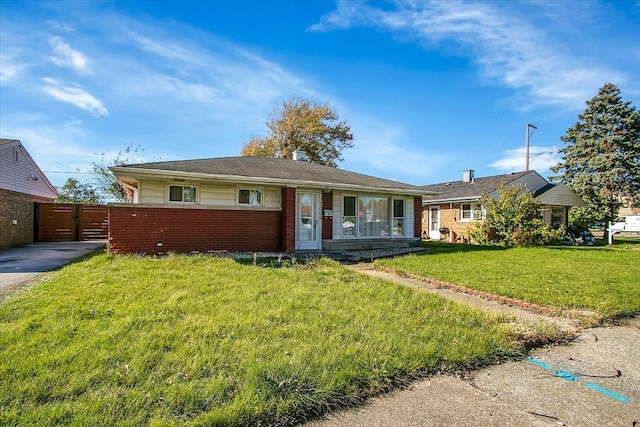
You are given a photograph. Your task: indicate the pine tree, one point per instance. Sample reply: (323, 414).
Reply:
(601, 159)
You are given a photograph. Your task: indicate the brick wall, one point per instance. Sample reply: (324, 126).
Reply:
(327, 222)
(18, 207)
(449, 218)
(288, 224)
(140, 230)
(417, 216)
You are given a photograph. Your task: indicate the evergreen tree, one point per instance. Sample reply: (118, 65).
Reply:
(601, 159)
(303, 125)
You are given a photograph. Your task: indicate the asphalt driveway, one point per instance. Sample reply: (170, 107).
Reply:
(20, 265)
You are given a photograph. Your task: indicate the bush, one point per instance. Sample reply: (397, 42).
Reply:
(538, 235)
(512, 219)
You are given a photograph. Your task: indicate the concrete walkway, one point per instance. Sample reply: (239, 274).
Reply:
(592, 381)
(22, 264)
(522, 316)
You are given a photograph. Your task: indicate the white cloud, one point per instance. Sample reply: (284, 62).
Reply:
(507, 47)
(9, 68)
(61, 152)
(540, 159)
(74, 95)
(65, 56)
(237, 85)
(383, 147)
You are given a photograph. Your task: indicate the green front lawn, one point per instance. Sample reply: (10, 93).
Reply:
(205, 341)
(604, 280)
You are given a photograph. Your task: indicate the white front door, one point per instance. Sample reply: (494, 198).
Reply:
(434, 223)
(308, 225)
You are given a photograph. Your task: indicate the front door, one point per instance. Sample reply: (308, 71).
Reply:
(308, 225)
(434, 223)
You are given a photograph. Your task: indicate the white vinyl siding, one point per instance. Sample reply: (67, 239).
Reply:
(218, 195)
(272, 198)
(23, 176)
(208, 195)
(152, 192)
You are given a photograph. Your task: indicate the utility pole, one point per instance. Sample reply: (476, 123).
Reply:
(528, 133)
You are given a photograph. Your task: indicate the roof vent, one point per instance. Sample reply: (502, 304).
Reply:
(467, 176)
(300, 155)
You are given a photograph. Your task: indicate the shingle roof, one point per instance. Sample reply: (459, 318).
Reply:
(266, 168)
(459, 190)
(543, 190)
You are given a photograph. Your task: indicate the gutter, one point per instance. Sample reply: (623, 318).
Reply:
(126, 172)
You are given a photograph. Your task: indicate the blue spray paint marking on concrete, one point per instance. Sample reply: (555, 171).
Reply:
(567, 375)
(609, 393)
(574, 377)
(539, 363)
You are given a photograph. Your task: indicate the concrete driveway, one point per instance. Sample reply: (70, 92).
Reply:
(19, 265)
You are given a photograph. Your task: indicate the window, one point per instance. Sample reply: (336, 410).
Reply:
(182, 193)
(370, 216)
(398, 217)
(434, 219)
(373, 216)
(557, 216)
(250, 197)
(349, 217)
(467, 213)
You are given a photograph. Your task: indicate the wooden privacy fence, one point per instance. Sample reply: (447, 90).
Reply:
(68, 222)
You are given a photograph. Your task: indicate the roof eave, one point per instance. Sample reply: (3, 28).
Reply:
(157, 173)
(427, 201)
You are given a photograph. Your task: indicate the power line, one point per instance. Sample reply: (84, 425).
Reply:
(72, 172)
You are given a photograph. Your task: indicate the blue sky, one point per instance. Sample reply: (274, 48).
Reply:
(429, 88)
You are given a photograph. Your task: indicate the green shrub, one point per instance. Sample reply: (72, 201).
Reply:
(512, 219)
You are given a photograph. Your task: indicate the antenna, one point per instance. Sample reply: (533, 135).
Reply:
(526, 146)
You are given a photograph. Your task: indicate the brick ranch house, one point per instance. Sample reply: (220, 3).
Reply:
(259, 204)
(22, 185)
(453, 206)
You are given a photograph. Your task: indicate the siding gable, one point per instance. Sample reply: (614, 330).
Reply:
(20, 173)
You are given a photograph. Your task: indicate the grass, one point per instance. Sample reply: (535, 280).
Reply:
(603, 280)
(205, 341)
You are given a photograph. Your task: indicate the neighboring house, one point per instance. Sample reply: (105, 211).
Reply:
(259, 204)
(627, 208)
(453, 207)
(22, 184)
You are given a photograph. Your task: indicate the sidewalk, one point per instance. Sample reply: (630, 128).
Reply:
(592, 381)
